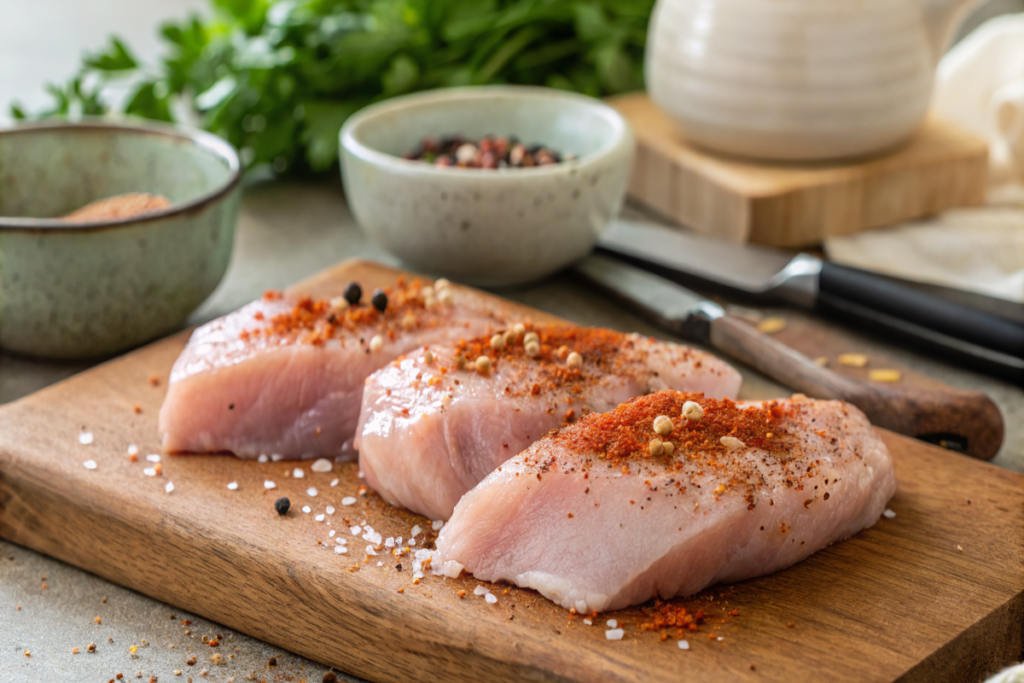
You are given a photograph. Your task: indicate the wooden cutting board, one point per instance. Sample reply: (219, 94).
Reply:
(799, 204)
(934, 594)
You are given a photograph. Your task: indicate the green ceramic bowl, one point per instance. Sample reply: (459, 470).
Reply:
(82, 290)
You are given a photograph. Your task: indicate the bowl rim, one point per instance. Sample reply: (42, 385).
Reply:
(349, 143)
(209, 142)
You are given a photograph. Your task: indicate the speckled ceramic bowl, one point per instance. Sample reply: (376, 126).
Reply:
(487, 227)
(80, 290)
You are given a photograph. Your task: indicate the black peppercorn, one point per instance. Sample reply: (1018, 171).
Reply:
(282, 506)
(380, 300)
(353, 293)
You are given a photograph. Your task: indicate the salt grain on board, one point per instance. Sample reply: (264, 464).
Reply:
(133, 449)
(85, 438)
(356, 530)
(437, 524)
(276, 457)
(490, 598)
(263, 458)
(149, 471)
(614, 634)
(90, 464)
(683, 644)
(416, 531)
(169, 487)
(588, 622)
(370, 550)
(307, 509)
(321, 465)
(153, 457)
(330, 509)
(479, 590)
(331, 534)
(612, 623)
(888, 514)
(233, 486)
(269, 484)
(340, 550)
(311, 492)
(334, 482)
(319, 517)
(348, 500)
(298, 473)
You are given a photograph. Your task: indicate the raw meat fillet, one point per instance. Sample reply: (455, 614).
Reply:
(429, 432)
(590, 519)
(285, 377)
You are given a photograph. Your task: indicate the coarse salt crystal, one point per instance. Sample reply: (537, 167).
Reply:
(90, 464)
(355, 530)
(612, 623)
(233, 486)
(416, 531)
(348, 500)
(311, 492)
(321, 465)
(153, 457)
(588, 622)
(490, 598)
(683, 644)
(332, 533)
(133, 449)
(437, 524)
(319, 517)
(334, 482)
(888, 514)
(390, 542)
(452, 569)
(269, 484)
(370, 550)
(330, 509)
(341, 541)
(614, 634)
(169, 487)
(263, 458)
(380, 564)
(298, 473)
(85, 438)
(720, 638)
(479, 590)
(307, 509)
(276, 457)
(418, 574)
(412, 541)
(149, 471)
(340, 550)
(398, 541)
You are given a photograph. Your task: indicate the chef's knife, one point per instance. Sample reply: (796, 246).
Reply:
(980, 340)
(924, 413)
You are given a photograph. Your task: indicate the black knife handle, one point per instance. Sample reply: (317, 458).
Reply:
(864, 290)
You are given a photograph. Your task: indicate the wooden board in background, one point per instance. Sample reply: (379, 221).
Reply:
(936, 594)
(793, 204)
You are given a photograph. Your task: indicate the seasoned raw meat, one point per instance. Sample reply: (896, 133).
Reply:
(285, 377)
(593, 521)
(429, 432)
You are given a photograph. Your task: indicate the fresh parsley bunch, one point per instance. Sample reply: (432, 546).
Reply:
(278, 78)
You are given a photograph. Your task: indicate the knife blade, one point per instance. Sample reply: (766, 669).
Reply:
(970, 416)
(980, 340)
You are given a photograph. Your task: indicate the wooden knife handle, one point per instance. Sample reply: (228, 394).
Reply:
(969, 417)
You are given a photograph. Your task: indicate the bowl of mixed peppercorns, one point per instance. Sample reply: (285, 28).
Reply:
(492, 186)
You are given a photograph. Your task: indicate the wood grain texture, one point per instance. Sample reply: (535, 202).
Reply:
(936, 594)
(796, 205)
(915, 405)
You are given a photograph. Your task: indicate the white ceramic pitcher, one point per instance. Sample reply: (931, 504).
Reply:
(798, 79)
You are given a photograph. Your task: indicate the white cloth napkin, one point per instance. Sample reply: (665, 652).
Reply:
(980, 85)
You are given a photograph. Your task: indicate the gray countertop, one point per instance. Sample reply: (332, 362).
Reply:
(286, 232)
